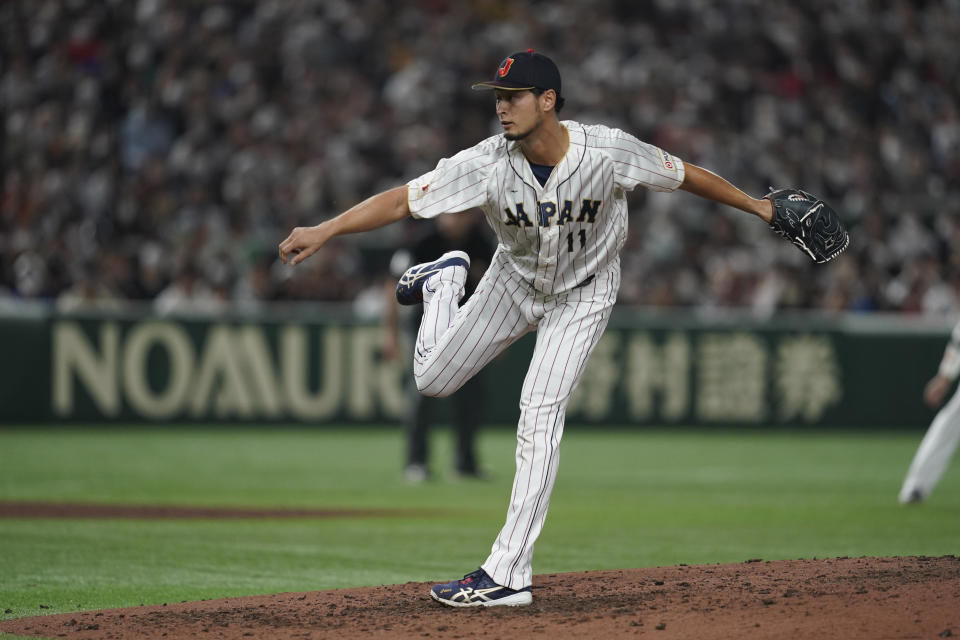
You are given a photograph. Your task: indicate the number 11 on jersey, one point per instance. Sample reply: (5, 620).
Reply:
(583, 240)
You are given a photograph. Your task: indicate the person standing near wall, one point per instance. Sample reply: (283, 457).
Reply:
(940, 441)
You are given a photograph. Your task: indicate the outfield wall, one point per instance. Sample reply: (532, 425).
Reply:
(318, 366)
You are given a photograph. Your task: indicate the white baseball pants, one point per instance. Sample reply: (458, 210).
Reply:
(456, 342)
(935, 451)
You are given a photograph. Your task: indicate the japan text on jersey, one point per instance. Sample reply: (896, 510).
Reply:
(562, 232)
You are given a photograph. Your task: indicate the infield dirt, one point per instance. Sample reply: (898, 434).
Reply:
(849, 598)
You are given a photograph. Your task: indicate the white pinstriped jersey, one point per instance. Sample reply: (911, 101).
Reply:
(560, 234)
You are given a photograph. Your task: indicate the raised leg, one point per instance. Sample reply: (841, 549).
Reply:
(456, 342)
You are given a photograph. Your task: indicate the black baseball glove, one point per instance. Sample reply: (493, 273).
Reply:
(809, 223)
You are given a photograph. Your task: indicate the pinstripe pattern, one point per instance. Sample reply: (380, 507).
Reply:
(502, 309)
(552, 239)
(478, 331)
(570, 328)
(553, 255)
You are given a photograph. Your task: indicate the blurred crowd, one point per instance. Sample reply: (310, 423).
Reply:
(157, 151)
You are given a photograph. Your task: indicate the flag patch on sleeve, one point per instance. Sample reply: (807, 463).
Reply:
(667, 160)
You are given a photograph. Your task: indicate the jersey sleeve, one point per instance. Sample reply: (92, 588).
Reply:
(639, 164)
(950, 363)
(456, 184)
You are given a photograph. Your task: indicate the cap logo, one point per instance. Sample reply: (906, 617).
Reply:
(505, 67)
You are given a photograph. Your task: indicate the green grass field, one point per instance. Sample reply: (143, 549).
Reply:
(623, 499)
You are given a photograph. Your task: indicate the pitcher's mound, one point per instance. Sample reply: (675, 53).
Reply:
(901, 597)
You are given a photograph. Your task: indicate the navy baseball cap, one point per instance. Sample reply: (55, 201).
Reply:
(524, 70)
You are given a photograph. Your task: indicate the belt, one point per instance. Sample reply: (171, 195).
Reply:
(585, 282)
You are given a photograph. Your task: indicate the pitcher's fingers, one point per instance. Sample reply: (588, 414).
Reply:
(286, 254)
(288, 246)
(286, 243)
(302, 254)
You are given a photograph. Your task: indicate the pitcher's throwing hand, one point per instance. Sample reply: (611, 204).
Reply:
(302, 243)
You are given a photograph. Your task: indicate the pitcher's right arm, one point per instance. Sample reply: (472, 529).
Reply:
(377, 211)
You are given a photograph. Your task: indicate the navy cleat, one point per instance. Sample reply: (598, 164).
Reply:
(477, 589)
(410, 286)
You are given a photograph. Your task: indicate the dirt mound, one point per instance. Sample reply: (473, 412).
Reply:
(901, 597)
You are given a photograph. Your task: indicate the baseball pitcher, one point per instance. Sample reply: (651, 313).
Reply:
(554, 193)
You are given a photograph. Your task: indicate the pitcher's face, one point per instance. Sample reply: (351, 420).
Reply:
(519, 112)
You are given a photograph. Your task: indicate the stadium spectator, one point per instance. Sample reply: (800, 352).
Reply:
(216, 127)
